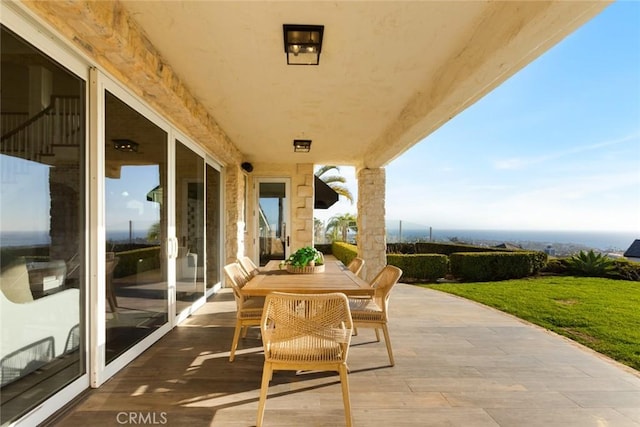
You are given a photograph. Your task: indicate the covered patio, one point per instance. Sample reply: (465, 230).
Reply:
(457, 363)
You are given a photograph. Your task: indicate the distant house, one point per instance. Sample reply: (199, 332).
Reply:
(633, 253)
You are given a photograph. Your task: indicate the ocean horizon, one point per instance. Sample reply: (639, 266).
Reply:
(613, 241)
(600, 240)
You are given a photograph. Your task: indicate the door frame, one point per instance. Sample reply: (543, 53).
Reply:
(286, 213)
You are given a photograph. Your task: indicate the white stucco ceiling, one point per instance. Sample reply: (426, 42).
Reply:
(390, 73)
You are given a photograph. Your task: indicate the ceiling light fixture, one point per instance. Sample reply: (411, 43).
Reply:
(303, 43)
(301, 145)
(125, 145)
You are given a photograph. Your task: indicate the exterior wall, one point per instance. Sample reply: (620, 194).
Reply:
(233, 208)
(104, 32)
(372, 244)
(301, 227)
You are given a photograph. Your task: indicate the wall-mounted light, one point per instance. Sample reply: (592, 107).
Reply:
(125, 145)
(303, 43)
(301, 145)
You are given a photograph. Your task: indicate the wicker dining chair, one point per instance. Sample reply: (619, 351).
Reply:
(248, 266)
(373, 312)
(306, 332)
(355, 266)
(248, 310)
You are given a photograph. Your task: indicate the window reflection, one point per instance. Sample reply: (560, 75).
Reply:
(213, 227)
(189, 227)
(135, 221)
(42, 140)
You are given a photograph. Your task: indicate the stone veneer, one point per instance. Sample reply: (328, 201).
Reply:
(372, 244)
(106, 34)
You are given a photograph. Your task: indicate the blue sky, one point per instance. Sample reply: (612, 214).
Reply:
(555, 147)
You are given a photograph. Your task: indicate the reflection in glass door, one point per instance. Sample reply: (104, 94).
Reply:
(190, 213)
(42, 227)
(214, 224)
(214, 232)
(136, 224)
(273, 214)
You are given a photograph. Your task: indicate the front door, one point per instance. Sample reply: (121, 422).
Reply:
(273, 223)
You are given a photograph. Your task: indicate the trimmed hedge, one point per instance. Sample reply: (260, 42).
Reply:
(472, 264)
(345, 252)
(325, 248)
(420, 266)
(437, 248)
(491, 266)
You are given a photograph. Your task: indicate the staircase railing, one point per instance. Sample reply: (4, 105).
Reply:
(58, 125)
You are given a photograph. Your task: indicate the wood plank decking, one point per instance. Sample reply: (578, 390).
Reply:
(457, 364)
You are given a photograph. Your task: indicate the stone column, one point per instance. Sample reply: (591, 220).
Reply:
(233, 207)
(372, 241)
(302, 204)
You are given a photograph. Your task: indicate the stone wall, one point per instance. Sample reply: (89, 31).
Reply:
(372, 245)
(234, 222)
(105, 32)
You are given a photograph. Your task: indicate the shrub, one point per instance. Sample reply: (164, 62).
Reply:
(625, 270)
(451, 248)
(556, 266)
(491, 266)
(325, 248)
(420, 266)
(345, 252)
(590, 264)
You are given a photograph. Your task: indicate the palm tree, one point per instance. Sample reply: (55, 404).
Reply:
(335, 181)
(338, 226)
(318, 228)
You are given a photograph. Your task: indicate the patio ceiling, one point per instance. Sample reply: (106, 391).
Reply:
(390, 72)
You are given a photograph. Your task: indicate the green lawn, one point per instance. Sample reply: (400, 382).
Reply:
(602, 314)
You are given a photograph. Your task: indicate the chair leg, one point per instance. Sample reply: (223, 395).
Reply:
(234, 344)
(267, 372)
(244, 331)
(377, 334)
(387, 341)
(346, 399)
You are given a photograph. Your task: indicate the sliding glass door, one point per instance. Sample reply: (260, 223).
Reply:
(190, 227)
(135, 203)
(42, 227)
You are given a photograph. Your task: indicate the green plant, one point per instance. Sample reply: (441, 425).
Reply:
(345, 252)
(590, 264)
(303, 257)
(420, 266)
(489, 266)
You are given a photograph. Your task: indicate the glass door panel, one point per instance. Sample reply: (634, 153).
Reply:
(42, 223)
(214, 232)
(273, 211)
(190, 213)
(136, 226)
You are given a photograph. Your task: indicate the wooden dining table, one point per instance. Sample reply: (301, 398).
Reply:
(335, 278)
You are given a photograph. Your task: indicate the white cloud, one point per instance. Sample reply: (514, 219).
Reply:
(517, 163)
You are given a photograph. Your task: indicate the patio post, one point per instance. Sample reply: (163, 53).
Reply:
(372, 242)
(234, 215)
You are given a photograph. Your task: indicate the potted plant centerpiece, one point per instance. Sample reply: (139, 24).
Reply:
(305, 260)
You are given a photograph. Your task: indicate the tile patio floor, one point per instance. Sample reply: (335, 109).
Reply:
(457, 364)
